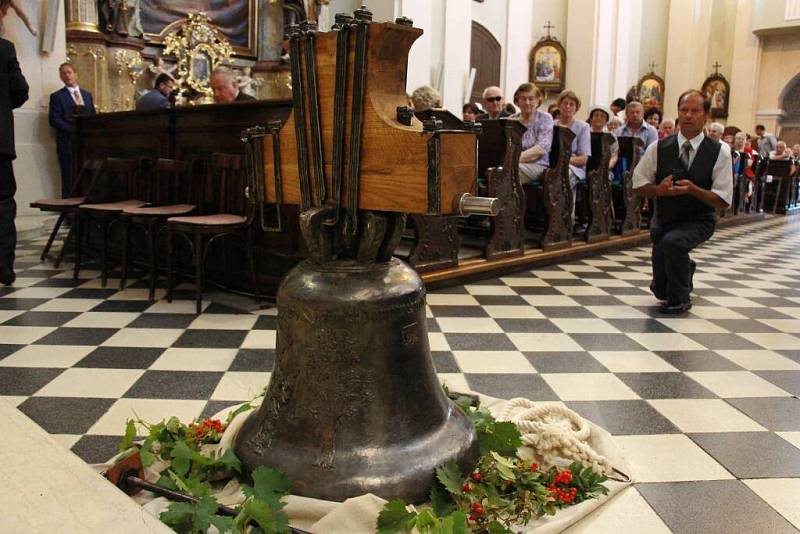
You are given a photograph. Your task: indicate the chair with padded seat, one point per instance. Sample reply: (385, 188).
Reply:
(122, 188)
(176, 190)
(234, 214)
(68, 207)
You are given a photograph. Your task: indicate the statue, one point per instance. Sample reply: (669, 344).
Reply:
(354, 405)
(247, 84)
(121, 17)
(5, 5)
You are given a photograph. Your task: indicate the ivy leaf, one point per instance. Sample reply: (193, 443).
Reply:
(496, 528)
(394, 518)
(191, 517)
(441, 501)
(501, 437)
(455, 523)
(130, 435)
(258, 511)
(450, 476)
(269, 485)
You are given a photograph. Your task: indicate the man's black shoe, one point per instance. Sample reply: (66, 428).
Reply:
(7, 276)
(676, 309)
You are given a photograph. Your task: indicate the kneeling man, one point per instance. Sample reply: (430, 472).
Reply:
(689, 175)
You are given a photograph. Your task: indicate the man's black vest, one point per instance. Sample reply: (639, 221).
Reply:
(685, 207)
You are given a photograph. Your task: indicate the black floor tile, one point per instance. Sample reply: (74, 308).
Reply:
(788, 381)
(713, 507)
(216, 339)
(723, 342)
(432, 325)
(743, 326)
(564, 312)
(266, 322)
(253, 360)
(37, 318)
(751, 454)
(536, 290)
(121, 358)
(501, 300)
(697, 360)
(174, 385)
(508, 386)
(779, 414)
(59, 282)
(77, 336)
(565, 362)
(639, 326)
(444, 362)
(761, 313)
(528, 326)
(625, 417)
(605, 342)
(65, 415)
(162, 320)
(122, 306)
(458, 311)
(212, 408)
(8, 350)
(459, 341)
(25, 380)
(10, 303)
(597, 300)
(89, 292)
(665, 386)
(97, 449)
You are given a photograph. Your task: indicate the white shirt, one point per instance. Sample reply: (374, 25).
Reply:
(73, 90)
(721, 176)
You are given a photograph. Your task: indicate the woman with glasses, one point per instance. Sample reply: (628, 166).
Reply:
(538, 136)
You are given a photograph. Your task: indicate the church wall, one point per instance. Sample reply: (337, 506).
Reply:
(780, 62)
(653, 39)
(687, 50)
(518, 45)
(745, 54)
(581, 50)
(627, 46)
(721, 40)
(36, 166)
(771, 15)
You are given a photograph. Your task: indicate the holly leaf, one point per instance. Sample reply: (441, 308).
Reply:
(191, 517)
(394, 518)
(130, 435)
(455, 523)
(450, 476)
(501, 437)
(269, 485)
(441, 501)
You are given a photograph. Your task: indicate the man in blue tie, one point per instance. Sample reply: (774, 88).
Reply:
(65, 104)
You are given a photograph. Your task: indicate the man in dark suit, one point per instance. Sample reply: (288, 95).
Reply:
(226, 88)
(13, 93)
(65, 104)
(158, 96)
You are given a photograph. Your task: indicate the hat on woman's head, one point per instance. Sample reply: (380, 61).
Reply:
(601, 108)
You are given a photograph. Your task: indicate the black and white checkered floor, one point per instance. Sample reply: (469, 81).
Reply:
(705, 406)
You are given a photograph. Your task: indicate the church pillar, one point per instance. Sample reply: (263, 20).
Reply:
(745, 64)
(518, 45)
(82, 15)
(582, 49)
(627, 47)
(420, 58)
(455, 61)
(687, 50)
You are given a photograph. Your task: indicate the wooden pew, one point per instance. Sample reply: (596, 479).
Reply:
(631, 150)
(599, 228)
(779, 184)
(740, 181)
(557, 193)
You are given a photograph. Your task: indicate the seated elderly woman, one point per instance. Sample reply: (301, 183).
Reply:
(569, 104)
(426, 97)
(666, 128)
(538, 136)
(598, 122)
(715, 131)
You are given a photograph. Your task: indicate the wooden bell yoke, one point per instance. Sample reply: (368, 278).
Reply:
(351, 142)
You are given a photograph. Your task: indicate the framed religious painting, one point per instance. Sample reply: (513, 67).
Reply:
(237, 20)
(548, 64)
(650, 91)
(717, 91)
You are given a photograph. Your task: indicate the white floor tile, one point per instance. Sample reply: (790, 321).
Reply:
(550, 300)
(446, 299)
(103, 320)
(176, 306)
(555, 275)
(13, 400)
(477, 361)
(589, 386)
(790, 326)
(638, 300)
(91, 383)
(705, 415)
(144, 337)
(665, 341)
(734, 302)
(627, 275)
(53, 356)
(454, 382)
(580, 268)
(513, 312)
(584, 326)
(490, 290)
(544, 342)
(774, 341)
(68, 305)
(625, 512)
(260, 339)
(40, 292)
(607, 282)
(524, 282)
(760, 360)
(692, 326)
(240, 385)
(669, 458)
(112, 423)
(715, 312)
(437, 341)
(791, 437)
(632, 361)
(580, 291)
(736, 384)
(7, 315)
(136, 293)
(185, 359)
(66, 440)
(223, 321)
(617, 312)
(23, 335)
(783, 494)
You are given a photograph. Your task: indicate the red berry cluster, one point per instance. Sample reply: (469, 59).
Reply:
(477, 511)
(564, 494)
(208, 426)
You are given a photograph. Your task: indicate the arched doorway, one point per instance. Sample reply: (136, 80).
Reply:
(789, 102)
(485, 59)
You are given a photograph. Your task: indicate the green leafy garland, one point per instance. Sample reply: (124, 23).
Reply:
(500, 492)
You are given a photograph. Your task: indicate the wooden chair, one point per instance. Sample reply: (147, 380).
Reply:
(234, 216)
(175, 191)
(122, 189)
(68, 207)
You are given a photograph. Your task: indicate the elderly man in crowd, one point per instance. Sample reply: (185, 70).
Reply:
(666, 128)
(226, 88)
(765, 141)
(635, 126)
(493, 103)
(715, 131)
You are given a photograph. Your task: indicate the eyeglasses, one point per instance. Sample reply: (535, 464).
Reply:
(494, 98)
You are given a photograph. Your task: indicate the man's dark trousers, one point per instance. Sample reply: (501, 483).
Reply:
(8, 210)
(672, 270)
(65, 163)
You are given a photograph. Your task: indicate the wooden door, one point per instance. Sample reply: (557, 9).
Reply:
(485, 59)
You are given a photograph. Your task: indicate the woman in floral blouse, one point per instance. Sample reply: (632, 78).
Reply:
(538, 136)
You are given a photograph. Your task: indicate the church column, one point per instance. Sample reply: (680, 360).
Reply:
(627, 47)
(420, 58)
(518, 45)
(457, 38)
(581, 49)
(744, 71)
(82, 15)
(687, 50)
